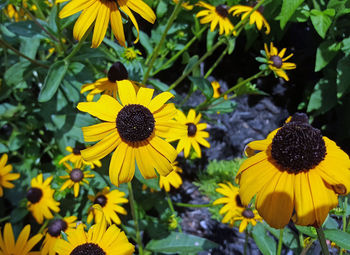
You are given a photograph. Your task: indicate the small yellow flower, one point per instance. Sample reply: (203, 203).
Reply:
(130, 53)
(5, 175)
(173, 179)
(75, 156)
(76, 176)
(276, 61)
(256, 17)
(217, 90)
(246, 216)
(185, 5)
(215, 16)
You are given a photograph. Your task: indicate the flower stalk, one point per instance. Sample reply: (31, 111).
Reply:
(193, 205)
(173, 212)
(280, 241)
(322, 240)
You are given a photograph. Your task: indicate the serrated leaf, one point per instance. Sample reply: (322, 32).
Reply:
(53, 80)
(180, 243)
(321, 21)
(339, 237)
(204, 85)
(288, 9)
(324, 55)
(266, 244)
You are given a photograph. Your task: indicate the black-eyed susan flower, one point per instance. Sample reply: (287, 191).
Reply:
(276, 61)
(5, 175)
(173, 179)
(297, 175)
(232, 202)
(23, 245)
(98, 240)
(110, 201)
(103, 12)
(75, 156)
(192, 133)
(40, 199)
(76, 177)
(215, 16)
(53, 233)
(109, 85)
(255, 17)
(246, 216)
(217, 90)
(134, 130)
(185, 5)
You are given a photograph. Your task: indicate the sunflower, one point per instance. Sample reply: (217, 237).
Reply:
(215, 15)
(232, 201)
(104, 11)
(276, 61)
(109, 201)
(5, 175)
(217, 90)
(246, 216)
(40, 199)
(256, 17)
(54, 233)
(22, 246)
(75, 156)
(98, 240)
(76, 177)
(108, 85)
(134, 129)
(185, 5)
(192, 133)
(173, 179)
(297, 175)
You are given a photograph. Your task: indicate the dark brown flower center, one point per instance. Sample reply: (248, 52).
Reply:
(76, 175)
(34, 195)
(100, 200)
(78, 148)
(222, 10)
(88, 249)
(238, 201)
(191, 129)
(298, 146)
(277, 61)
(135, 123)
(56, 226)
(117, 72)
(248, 213)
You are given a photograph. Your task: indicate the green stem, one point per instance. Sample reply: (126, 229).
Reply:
(173, 58)
(5, 44)
(216, 63)
(171, 206)
(78, 46)
(5, 218)
(246, 240)
(184, 75)
(345, 204)
(193, 205)
(135, 217)
(41, 230)
(280, 241)
(39, 11)
(59, 30)
(162, 39)
(322, 240)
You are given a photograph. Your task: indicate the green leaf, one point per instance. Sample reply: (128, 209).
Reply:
(323, 98)
(339, 237)
(310, 231)
(222, 106)
(231, 44)
(162, 8)
(288, 8)
(324, 55)
(26, 28)
(53, 80)
(3, 3)
(191, 63)
(160, 85)
(210, 38)
(290, 238)
(146, 43)
(204, 85)
(322, 20)
(151, 183)
(343, 77)
(15, 75)
(180, 243)
(29, 47)
(248, 89)
(8, 111)
(266, 244)
(3, 148)
(346, 46)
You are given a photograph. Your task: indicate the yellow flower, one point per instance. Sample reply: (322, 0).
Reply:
(75, 156)
(108, 85)
(297, 175)
(109, 201)
(232, 202)
(192, 133)
(130, 53)
(40, 199)
(98, 240)
(103, 12)
(276, 61)
(12, 13)
(217, 90)
(5, 175)
(76, 177)
(256, 17)
(54, 233)
(23, 245)
(173, 179)
(216, 16)
(133, 129)
(185, 5)
(246, 216)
